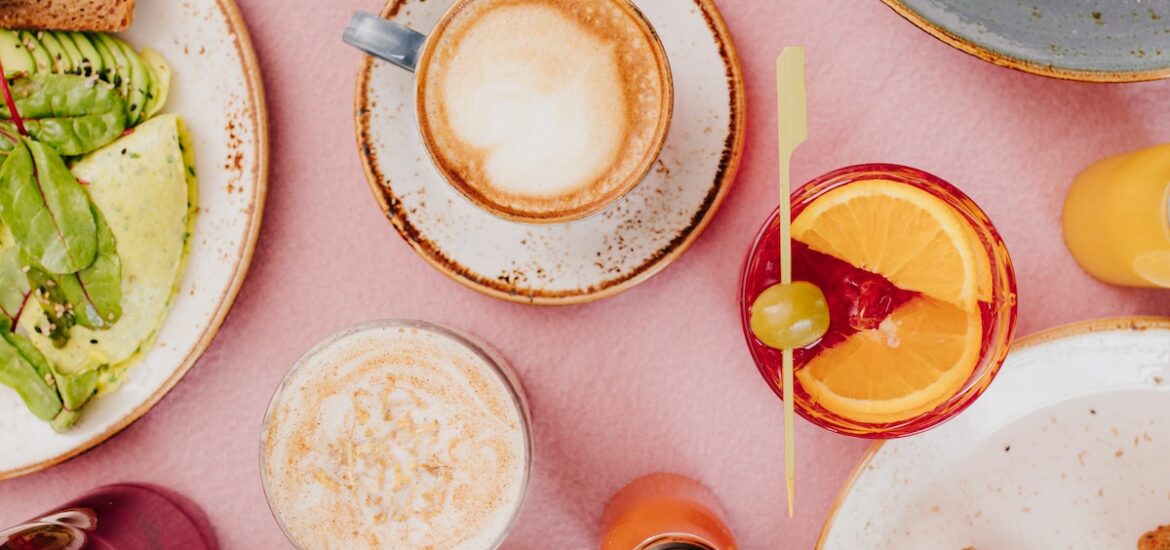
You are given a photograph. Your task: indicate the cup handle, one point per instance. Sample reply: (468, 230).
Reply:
(384, 39)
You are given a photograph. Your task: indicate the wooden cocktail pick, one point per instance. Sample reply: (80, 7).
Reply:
(792, 112)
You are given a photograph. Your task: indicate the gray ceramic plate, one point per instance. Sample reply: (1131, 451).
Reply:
(1094, 40)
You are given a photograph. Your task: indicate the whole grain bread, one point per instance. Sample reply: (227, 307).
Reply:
(67, 15)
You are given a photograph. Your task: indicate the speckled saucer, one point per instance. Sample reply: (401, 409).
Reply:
(1068, 449)
(584, 260)
(1094, 40)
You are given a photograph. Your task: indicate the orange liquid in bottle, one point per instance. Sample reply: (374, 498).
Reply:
(665, 512)
(1117, 218)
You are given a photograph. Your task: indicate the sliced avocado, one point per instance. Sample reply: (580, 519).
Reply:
(40, 55)
(14, 55)
(120, 75)
(160, 88)
(140, 77)
(107, 71)
(62, 63)
(91, 60)
(70, 50)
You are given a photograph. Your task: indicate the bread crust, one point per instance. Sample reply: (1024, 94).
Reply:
(67, 15)
(1158, 539)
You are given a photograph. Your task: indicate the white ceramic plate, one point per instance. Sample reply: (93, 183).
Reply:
(217, 90)
(1069, 448)
(585, 260)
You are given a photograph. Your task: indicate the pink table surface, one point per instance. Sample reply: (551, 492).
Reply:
(657, 379)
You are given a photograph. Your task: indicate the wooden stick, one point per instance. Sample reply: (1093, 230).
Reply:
(792, 111)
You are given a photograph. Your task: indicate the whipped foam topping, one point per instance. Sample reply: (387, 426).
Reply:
(543, 104)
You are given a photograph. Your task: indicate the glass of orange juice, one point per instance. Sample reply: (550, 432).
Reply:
(1116, 219)
(665, 512)
(921, 297)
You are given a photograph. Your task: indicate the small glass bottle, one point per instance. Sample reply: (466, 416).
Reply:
(1117, 218)
(125, 516)
(665, 512)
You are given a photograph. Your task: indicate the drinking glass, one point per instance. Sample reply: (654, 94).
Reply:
(761, 270)
(124, 516)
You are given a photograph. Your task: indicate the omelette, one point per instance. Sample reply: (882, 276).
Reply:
(144, 185)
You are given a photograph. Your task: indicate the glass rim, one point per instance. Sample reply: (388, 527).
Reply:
(481, 349)
(1001, 327)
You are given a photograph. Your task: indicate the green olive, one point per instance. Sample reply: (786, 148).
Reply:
(790, 316)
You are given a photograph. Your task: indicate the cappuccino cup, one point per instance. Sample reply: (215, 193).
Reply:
(537, 111)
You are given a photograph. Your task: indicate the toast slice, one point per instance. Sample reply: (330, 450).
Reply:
(67, 15)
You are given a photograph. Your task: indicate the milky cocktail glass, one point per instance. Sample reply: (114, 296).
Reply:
(920, 292)
(397, 434)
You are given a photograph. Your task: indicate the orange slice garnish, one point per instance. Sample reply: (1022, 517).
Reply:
(912, 238)
(918, 358)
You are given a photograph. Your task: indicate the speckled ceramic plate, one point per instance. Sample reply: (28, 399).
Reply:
(1095, 40)
(1068, 449)
(580, 261)
(217, 90)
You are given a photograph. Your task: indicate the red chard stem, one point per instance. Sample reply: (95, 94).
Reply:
(11, 102)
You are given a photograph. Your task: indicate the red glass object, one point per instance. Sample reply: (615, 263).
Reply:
(861, 300)
(126, 516)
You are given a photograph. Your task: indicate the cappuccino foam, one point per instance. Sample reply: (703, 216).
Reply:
(544, 107)
(395, 437)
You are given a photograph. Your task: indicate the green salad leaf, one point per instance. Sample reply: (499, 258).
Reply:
(46, 209)
(14, 286)
(50, 395)
(55, 307)
(91, 297)
(27, 350)
(95, 293)
(72, 114)
(25, 370)
(8, 140)
(73, 390)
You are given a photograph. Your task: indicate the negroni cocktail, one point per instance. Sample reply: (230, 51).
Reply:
(920, 294)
